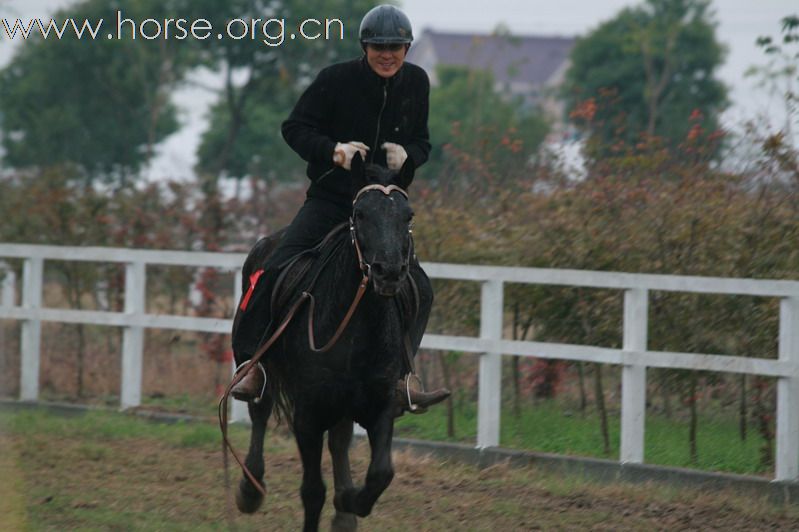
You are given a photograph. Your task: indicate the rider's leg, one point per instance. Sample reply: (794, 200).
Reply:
(410, 396)
(311, 224)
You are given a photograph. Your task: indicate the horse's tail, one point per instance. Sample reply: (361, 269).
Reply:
(277, 388)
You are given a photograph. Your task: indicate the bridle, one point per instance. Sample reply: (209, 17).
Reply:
(365, 267)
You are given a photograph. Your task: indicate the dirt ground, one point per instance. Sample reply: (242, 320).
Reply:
(145, 483)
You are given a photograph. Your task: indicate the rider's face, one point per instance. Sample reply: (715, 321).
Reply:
(385, 59)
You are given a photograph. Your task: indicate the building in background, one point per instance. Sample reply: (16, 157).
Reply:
(527, 66)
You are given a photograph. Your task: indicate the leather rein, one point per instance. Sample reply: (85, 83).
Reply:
(305, 296)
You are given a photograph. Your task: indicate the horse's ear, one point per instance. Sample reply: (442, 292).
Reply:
(405, 176)
(358, 173)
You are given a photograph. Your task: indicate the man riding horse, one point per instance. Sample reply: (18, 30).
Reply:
(375, 106)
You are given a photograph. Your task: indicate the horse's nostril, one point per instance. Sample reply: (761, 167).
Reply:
(388, 271)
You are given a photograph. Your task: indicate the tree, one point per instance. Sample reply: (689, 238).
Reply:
(98, 104)
(243, 137)
(781, 74)
(470, 122)
(644, 73)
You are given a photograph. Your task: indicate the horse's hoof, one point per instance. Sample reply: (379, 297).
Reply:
(248, 498)
(344, 522)
(345, 501)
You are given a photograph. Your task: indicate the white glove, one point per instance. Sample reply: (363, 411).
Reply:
(343, 154)
(395, 155)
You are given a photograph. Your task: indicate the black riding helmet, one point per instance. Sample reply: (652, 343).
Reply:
(385, 24)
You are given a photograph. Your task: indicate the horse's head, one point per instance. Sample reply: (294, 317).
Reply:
(381, 223)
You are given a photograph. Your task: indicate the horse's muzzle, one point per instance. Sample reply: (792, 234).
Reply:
(387, 278)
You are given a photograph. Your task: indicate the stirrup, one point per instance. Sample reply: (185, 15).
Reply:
(412, 407)
(263, 372)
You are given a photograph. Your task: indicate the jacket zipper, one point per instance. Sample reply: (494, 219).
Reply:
(379, 117)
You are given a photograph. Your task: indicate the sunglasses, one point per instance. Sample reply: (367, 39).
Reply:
(387, 47)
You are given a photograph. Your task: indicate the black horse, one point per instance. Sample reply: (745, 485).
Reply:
(355, 379)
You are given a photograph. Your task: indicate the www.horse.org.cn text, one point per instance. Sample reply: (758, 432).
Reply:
(269, 31)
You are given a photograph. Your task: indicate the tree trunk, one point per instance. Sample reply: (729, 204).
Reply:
(657, 82)
(664, 392)
(599, 391)
(693, 424)
(516, 391)
(521, 330)
(81, 358)
(515, 363)
(73, 293)
(581, 381)
(761, 413)
(742, 407)
(600, 405)
(445, 372)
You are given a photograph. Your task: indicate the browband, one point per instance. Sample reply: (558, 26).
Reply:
(382, 188)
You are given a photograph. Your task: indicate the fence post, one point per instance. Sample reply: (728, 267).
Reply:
(30, 342)
(633, 377)
(133, 336)
(238, 409)
(7, 287)
(490, 380)
(787, 463)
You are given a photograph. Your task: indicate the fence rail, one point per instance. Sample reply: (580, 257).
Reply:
(634, 357)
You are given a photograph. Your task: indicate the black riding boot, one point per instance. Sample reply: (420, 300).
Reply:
(410, 397)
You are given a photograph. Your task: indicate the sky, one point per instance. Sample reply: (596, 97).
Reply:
(740, 22)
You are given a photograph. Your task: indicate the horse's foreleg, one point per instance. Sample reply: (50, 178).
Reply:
(338, 442)
(248, 498)
(380, 473)
(312, 490)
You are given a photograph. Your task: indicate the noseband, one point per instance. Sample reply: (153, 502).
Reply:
(366, 268)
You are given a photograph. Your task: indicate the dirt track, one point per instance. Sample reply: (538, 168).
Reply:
(149, 484)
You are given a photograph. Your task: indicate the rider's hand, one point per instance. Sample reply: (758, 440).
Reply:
(395, 155)
(343, 154)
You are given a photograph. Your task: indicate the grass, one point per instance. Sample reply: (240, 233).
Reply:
(184, 404)
(98, 427)
(110, 471)
(550, 427)
(553, 427)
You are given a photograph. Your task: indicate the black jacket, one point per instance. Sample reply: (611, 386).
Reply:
(348, 101)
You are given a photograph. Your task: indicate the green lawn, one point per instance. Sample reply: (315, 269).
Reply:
(549, 427)
(556, 427)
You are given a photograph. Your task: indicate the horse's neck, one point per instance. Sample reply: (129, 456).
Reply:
(344, 274)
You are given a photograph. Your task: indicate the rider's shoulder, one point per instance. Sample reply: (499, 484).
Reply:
(415, 72)
(338, 70)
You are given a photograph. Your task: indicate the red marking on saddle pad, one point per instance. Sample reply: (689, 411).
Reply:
(253, 280)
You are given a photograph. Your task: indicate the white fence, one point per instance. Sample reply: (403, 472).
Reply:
(634, 357)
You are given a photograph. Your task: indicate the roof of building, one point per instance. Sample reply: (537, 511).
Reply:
(531, 59)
